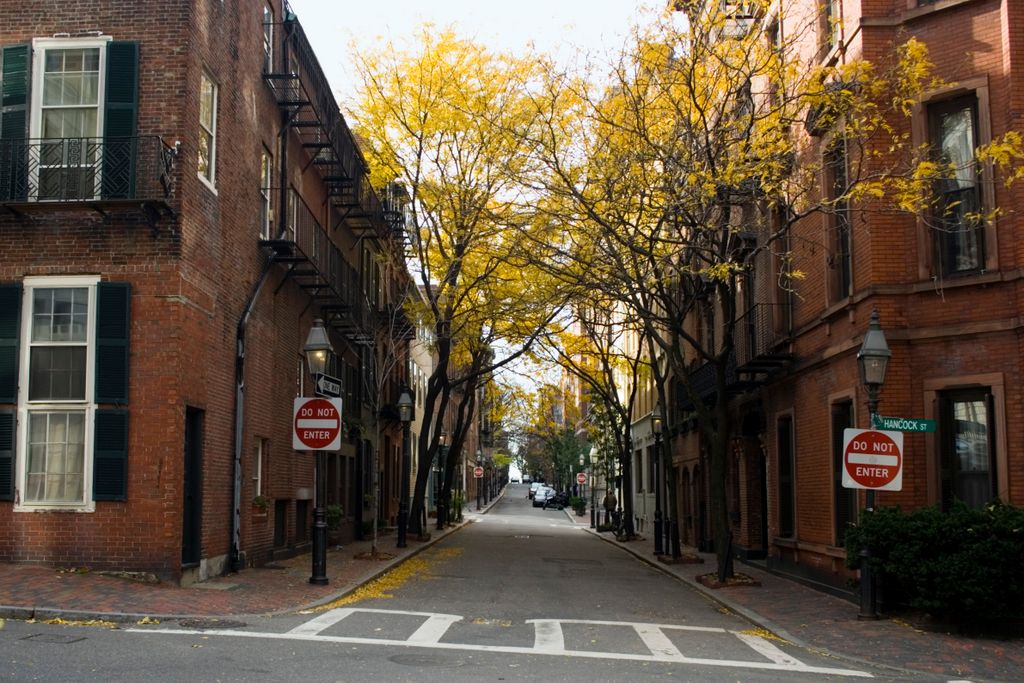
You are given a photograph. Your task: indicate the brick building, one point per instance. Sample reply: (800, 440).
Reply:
(947, 288)
(181, 198)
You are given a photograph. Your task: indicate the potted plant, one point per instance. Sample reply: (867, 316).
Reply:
(260, 504)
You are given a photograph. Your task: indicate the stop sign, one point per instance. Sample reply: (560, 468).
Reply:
(872, 459)
(581, 478)
(478, 472)
(317, 424)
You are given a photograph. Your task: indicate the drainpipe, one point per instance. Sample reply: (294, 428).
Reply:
(243, 323)
(235, 559)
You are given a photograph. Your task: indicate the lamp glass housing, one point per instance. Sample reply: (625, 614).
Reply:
(318, 348)
(874, 354)
(656, 419)
(405, 406)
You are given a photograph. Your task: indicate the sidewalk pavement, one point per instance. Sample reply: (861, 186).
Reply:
(791, 611)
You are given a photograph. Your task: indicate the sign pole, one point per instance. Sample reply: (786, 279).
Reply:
(319, 575)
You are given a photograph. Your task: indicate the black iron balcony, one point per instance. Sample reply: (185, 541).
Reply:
(760, 350)
(760, 337)
(85, 170)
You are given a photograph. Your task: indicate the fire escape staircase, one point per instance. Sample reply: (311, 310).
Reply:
(314, 262)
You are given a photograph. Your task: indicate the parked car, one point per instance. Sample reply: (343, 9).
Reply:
(542, 495)
(533, 489)
(558, 500)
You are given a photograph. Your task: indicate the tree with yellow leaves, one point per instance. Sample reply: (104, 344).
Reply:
(449, 121)
(677, 186)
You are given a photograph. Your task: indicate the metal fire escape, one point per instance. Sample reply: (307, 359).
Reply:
(315, 262)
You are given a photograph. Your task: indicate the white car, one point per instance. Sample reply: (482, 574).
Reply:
(533, 489)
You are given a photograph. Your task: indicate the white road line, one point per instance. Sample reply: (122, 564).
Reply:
(656, 641)
(507, 649)
(547, 635)
(632, 624)
(767, 649)
(433, 629)
(321, 622)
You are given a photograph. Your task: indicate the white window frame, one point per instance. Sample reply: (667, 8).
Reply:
(266, 193)
(268, 38)
(26, 407)
(40, 46)
(210, 177)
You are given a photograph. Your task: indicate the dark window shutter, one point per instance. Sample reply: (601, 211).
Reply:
(121, 104)
(112, 331)
(110, 455)
(7, 455)
(10, 322)
(14, 123)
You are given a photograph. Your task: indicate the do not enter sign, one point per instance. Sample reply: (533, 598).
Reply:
(317, 424)
(872, 459)
(581, 478)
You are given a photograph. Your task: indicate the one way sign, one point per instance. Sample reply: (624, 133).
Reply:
(327, 386)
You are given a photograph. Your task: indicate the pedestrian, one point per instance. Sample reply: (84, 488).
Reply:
(609, 504)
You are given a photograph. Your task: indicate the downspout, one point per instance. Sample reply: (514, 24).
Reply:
(243, 323)
(235, 558)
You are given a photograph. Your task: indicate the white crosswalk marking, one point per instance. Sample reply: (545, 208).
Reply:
(549, 639)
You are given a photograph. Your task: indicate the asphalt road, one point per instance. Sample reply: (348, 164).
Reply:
(521, 595)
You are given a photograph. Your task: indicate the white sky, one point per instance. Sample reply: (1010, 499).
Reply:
(554, 26)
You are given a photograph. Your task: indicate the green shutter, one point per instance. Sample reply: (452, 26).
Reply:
(110, 455)
(113, 301)
(121, 104)
(14, 123)
(10, 322)
(7, 455)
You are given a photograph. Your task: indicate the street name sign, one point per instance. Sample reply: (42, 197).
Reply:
(904, 424)
(316, 424)
(325, 385)
(478, 472)
(581, 478)
(872, 459)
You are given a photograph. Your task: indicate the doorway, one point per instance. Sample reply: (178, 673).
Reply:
(192, 504)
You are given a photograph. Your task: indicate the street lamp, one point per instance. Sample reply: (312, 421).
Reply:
(441, 498)
(656, 425)
(318, 351)
(593, 488)
(478, 480)
(873, 359)
(405, 414)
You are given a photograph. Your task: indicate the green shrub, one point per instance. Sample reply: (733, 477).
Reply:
(963, 565)
(335, 513)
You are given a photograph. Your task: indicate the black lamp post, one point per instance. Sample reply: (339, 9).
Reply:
(440, 495)
(318, 351)
(405, 414)
(656, 425)
(593, 488)
(873, 359)
(478, 480)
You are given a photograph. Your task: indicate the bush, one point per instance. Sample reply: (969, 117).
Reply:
(963, 565)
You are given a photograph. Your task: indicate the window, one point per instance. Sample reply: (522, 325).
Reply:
(266, 215)
(839, 256)
(58, 319)
(844, 500)
(207, 129)
(967, 450)
(67, 114)
(786, 488)
(831, 23)
(259, 453)
(953, 133)
(638, 471)
(268, 39)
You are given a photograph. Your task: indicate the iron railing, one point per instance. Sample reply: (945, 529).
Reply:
(759, 331)
(73, 170)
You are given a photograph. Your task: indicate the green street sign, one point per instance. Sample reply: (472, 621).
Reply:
(903, 424)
